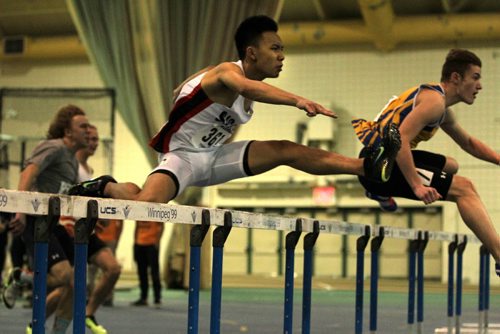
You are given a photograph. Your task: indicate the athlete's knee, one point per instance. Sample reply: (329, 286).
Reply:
(462, 186)
(132, 188)
(466, 185)
(61, 276)
(150, 197)
(67, 278)
(114, 271)
(108, 264)
(159, 188)
(283, 150)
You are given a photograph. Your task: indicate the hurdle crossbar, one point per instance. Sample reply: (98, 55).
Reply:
(35, 203)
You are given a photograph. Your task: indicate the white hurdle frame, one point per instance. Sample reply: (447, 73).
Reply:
(34, 203)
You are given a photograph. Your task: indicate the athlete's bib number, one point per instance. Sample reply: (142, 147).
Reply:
(213, 136)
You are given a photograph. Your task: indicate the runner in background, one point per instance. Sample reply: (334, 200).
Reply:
(146, 255)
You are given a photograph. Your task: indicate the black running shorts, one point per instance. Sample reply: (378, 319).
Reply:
(68, 244)
(56, 251)
(430, 169)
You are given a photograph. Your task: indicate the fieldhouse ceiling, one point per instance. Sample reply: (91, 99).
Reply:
(320, 10)
(384, 24)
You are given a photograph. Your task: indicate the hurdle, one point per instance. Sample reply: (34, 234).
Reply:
(83, 229)
(198, 233)
(361, 244)
(376, 243)
(292, 238)
(219, 239)
(44, 224)
(484, 285)
(309, 242)
(48, 208)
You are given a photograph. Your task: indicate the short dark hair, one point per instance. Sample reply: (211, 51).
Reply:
(62, 121)
(458, 60)
(250, 30)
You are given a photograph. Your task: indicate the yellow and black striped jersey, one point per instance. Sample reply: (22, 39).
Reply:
(395, 112)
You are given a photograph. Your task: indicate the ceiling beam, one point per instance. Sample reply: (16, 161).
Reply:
(379, 19)
(279, 9)
(409, 30)
(320, 11)
(297, 34)
(406, 30)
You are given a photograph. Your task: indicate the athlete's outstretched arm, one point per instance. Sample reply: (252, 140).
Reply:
(468, 143)
(230, 76)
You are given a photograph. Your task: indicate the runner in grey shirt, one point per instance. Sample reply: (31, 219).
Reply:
(52, 168)
(57, 166)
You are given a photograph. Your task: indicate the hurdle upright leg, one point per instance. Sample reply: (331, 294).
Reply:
(219, 238)
(361, 243)
(43, 227)
(411, 284)
(451, 281)
(291, 242)
(375, 247)
(484, 282)
(420, 280)
(480, 322)
(309, 242)
(198, 233)
(83, 229)
(486, 289)
(458, 306)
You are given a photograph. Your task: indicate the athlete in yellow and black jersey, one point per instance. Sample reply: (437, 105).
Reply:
(395, 112)
(418, 113)
(429, 164)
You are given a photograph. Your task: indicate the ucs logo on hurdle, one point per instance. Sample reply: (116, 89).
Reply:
(108, 210)
(113, 210)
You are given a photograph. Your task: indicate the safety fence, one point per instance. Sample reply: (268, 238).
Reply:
(48, 208)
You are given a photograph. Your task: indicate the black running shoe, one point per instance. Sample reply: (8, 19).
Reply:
(497, 268)
(139, 302)
(380, 161)
(91, 188)
(387, 203)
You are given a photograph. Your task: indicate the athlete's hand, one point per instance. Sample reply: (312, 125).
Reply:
(17, 224)
(312, 108)
(427, 195)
